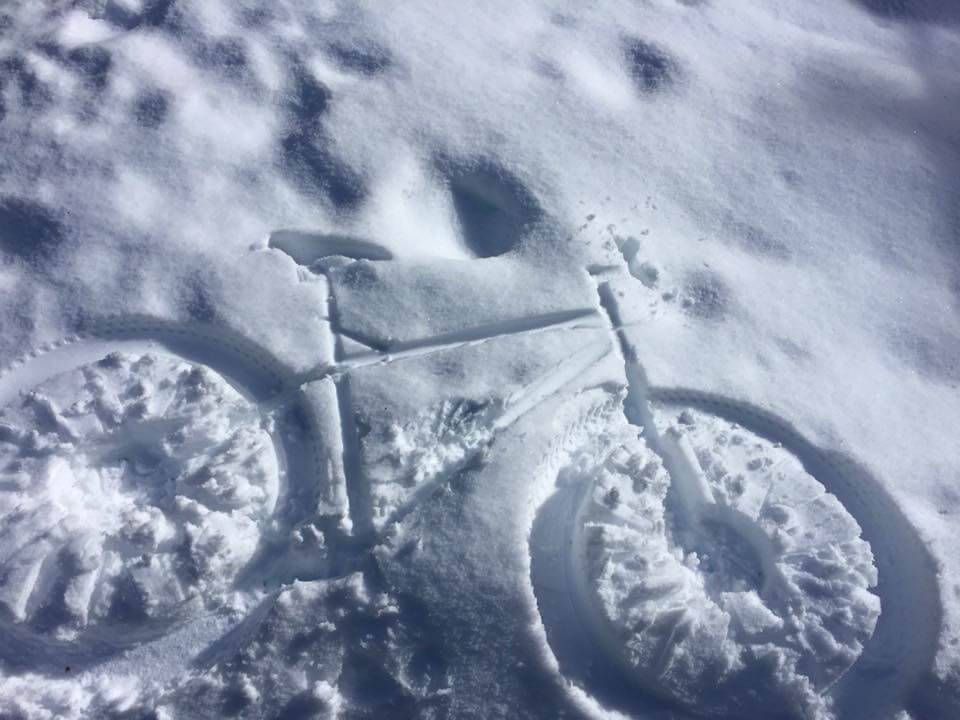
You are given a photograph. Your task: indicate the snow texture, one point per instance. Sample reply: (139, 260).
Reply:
(131, 486)
(511, 359)
(751, 591)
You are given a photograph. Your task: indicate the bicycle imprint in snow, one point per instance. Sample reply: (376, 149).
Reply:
(696, 563)
(157, 475)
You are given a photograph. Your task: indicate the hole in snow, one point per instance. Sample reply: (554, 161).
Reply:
(226, 56)
(129, 15)
(309, 97)
(316, 169)
(34, 93)
(364, 58)
(28, 230)
(494, 208)
(151, 108)
(650, 67)
(93, 63)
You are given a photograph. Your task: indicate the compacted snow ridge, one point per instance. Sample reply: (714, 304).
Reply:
(531, 360)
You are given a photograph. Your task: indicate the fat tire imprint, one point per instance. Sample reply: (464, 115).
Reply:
(704, 563)
(187, 455)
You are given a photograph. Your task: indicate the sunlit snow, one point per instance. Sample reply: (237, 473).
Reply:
(475, 360)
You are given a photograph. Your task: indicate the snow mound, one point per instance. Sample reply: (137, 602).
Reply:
(128, 487)
(731, 583)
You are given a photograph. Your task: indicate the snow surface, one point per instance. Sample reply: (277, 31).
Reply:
(131, 486)
(732, 580)
(541, 359)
